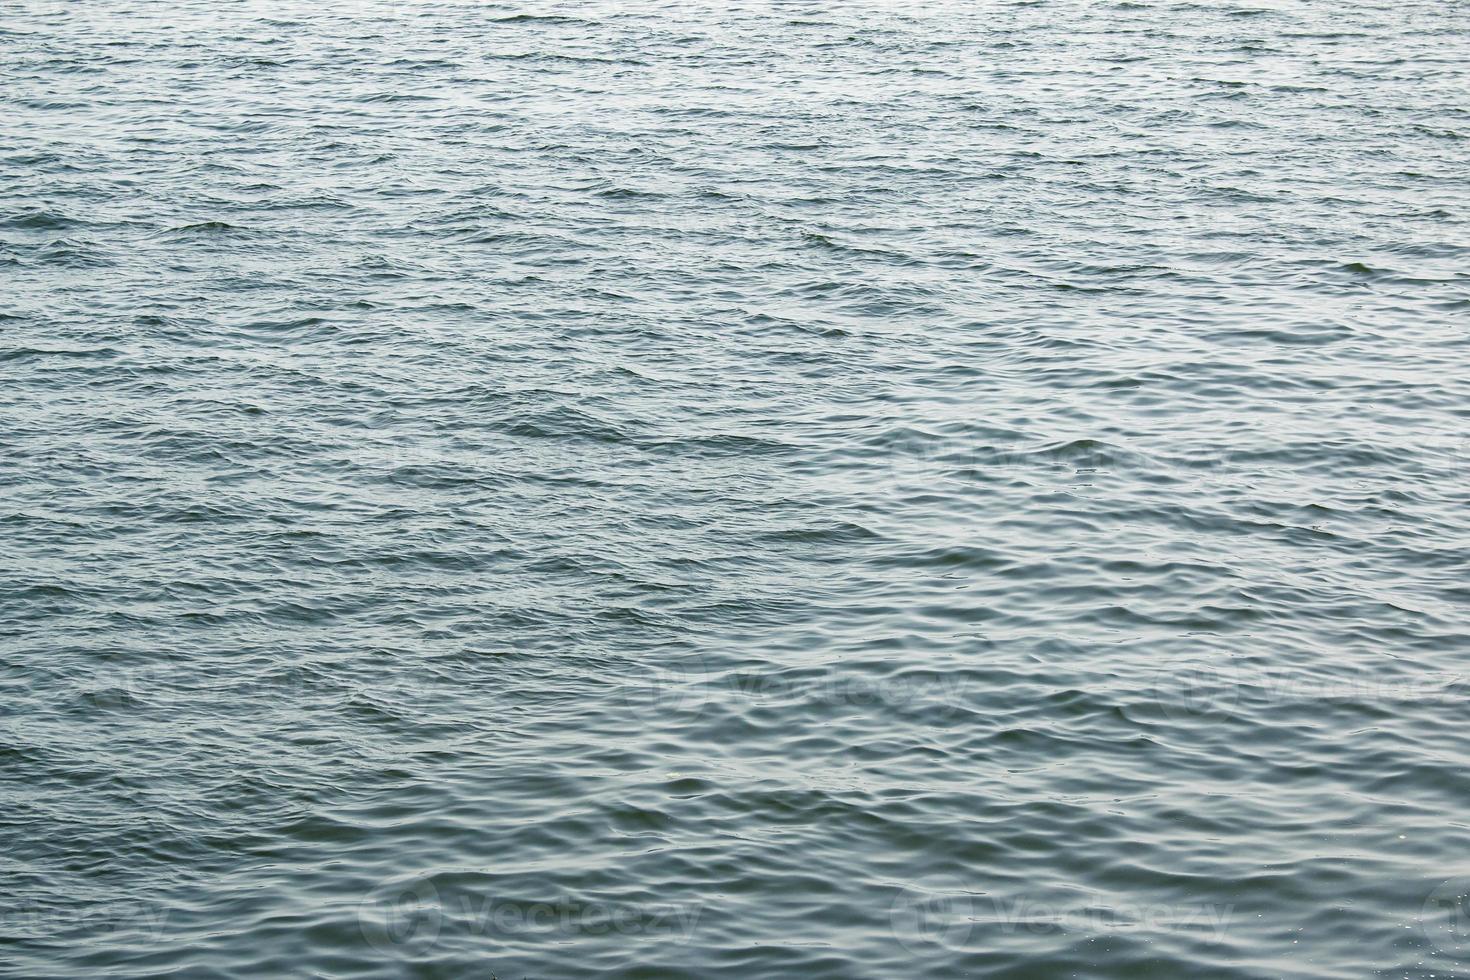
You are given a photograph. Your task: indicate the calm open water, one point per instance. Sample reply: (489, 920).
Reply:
(824, 489)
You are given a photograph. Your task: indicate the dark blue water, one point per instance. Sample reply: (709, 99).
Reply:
(824, 489)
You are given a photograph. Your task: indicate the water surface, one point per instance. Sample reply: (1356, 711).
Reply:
(826, 489)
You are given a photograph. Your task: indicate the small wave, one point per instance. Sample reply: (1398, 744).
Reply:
(539, 19)
(205, 228)
(38, 220)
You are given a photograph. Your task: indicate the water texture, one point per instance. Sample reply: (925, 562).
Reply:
(824, 489)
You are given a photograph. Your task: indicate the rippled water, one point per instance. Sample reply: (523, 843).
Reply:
(818, 488)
